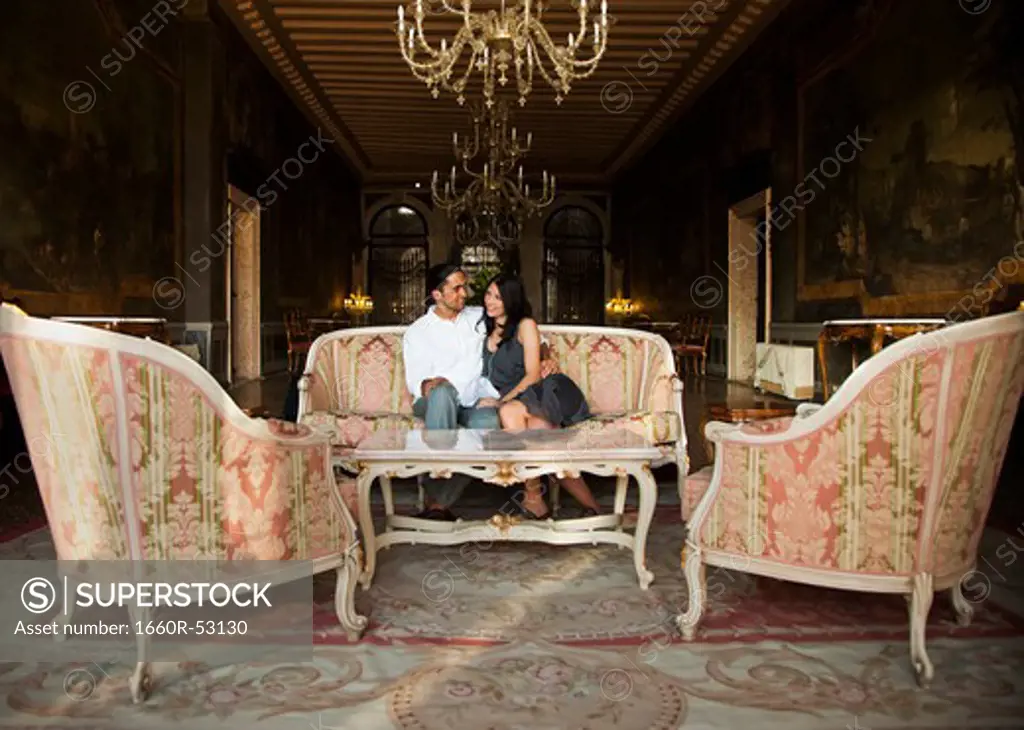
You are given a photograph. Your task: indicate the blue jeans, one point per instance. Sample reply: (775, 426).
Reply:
(442, 410)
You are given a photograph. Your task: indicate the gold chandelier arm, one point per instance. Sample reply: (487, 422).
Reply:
(558, 85)
(568, 54)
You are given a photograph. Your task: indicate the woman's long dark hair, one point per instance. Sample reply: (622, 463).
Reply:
(517, 306)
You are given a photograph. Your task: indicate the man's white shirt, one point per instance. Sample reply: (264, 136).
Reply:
(451, 349)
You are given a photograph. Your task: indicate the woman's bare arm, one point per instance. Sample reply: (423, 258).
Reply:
(529, 336)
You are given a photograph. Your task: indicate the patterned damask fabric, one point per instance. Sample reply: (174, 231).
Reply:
(360, 373)
(851, 496)
(198, 487)
(660, 428)
(208, 490)
(364, 376)
(985, 391)
(66, 402)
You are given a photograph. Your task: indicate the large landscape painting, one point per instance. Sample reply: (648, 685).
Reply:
(87, 143)
(934, 199)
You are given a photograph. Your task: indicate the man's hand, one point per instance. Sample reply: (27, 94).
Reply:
(548, 367)
(488, 403)
(548, 364)
(431, 383)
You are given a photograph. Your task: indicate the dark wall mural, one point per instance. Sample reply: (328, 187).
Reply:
(87, 163)
(923, 211)
(933, 201)
(91, 160)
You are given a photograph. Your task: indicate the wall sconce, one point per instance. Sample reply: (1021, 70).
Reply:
(619, 307)
(358, 305)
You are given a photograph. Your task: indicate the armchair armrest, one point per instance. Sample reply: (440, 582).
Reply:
(807, 409)
(271, 488)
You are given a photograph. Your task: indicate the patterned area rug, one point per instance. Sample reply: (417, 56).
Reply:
(588, 595)
(529, 637)
(483, 594)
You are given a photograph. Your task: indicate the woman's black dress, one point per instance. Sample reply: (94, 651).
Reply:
(556, 398)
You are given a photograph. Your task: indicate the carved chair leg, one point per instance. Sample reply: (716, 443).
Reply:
(963, 607)
(344, 594)
(141, 681)
(920, 605)
(696, 577)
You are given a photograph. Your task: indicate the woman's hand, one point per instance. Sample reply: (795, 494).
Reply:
(488, 403)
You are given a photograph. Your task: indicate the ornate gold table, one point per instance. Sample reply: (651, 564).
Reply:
(506, 460)
(875, 331)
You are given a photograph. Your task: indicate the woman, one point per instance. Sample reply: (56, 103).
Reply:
(512, 364)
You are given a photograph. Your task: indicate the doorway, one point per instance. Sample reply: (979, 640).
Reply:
(750, 290)
(243, 288)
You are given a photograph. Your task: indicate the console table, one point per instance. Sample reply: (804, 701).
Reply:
(154, 328)
(505, 459)
(875, 331)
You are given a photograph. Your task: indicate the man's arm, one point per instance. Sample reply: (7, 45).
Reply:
(416, 357)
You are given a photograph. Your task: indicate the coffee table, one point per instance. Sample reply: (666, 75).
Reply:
(506, 460)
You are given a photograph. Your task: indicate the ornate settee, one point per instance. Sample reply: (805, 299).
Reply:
(354, 384)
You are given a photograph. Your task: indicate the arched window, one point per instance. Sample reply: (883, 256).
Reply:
(573, 267)
(481, 240)
(398, 264)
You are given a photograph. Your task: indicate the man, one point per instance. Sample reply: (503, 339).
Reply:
(443, 356)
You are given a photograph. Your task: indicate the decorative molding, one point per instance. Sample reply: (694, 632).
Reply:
(261, 28)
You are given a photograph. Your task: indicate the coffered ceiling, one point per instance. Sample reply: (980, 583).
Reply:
(339, 60)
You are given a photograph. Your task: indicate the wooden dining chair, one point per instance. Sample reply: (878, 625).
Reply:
(695, 336)
(300, 337)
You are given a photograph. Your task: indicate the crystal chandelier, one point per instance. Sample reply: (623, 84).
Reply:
(499, 191)
(510, 39)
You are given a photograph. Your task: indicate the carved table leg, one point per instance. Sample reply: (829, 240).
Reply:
(877, 339)
(389, 501)
(621, 484)
(822, 339)
(363, 483)
(648, 497)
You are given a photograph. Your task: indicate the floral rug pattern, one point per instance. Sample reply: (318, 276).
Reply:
(517, 637)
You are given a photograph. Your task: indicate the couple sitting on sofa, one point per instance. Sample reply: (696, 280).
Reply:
(473, 367)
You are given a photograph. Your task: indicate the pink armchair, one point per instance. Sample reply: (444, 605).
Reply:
(140, 455)
(883, 489)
